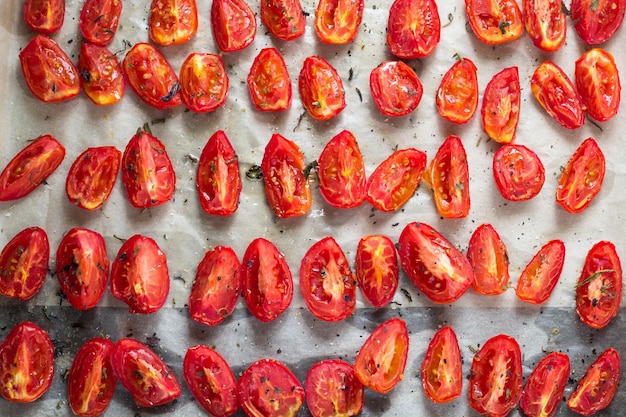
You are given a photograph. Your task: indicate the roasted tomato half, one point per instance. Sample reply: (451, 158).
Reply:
(30, 167)
(518, 172)
(283, 18)
(457, 95)
(377, 271)
(501, 105)
(327, 284)
(413, 28)
(99, 20)
(203, 82)
(396, 89)
(44, 16)
(269, 83)
(546, 23)
(332, 389)
(337, 22)
(538, 279)
(442, 367)
(598, 83)
(436, 267)
(101, 74)
(545, 386)
(321, 89)
(596, 21)
(172, 22)
(495, 21)
(26, 363)
(233, 24)
(24, 263)
(92, 176)
(489, 259)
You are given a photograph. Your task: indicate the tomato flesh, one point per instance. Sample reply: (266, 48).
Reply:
(99, 20)
(518, 172)
(495, 21)
(598, 83)
(44, 16)
(269, 83)
(283, 18)
(172, 22)
(542, 273)
(501, 105)
(332, 389)
(596, 21)
(545, 386)
(24, 263)
(101, 74)
(457, 95)
(92, 176)
(396, 89)
(321, 89)
(489, 258)
(203, 82)
(442, 370)
(413, 28)
(233, 24)
(337, 21)
(546, 23)
(377, 271)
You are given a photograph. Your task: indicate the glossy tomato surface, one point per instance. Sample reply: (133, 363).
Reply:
(30, 167)
(172, 22)
(545, 386)
(99, 20)
(101, 74)
(436, 266)
(283, 18)
(442, 367)
(396, 89)
(377, 271)
(518, 172)
(495, 21)
(24, 263)
(413, 28)
(596, 21)
(489, 258)
(26, 363)
(44, 16)
(337, 21)
(139, 275)
(233, 24)
(457, 95)
(542, 273)
(501, 105)
(332, 389)
(321, 88)
(203, 82)
(598, 83)
(216, 287)
(546, 23)
(269, 83)
(327, 284)
(92, 176)
(146, 377)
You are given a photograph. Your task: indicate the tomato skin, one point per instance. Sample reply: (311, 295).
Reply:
(332, 389)
(395, 180)
(380, 363)
(341, 172)
(545, 386)
(396, 89)
(92, 176)
(598, 83)
(82, 267)
(287, 189)
(266, 280)
(599, 287)
(597, 21)
(30, 167)
(24, 263)
(44, 16)
(495, 21)
(413, 28)
(146, 377)
(327, 284)
(457, 95)
(501, 105)
(101, 74)
(337, 21)
(99, 20)
(233, 24)
(26, 363)
(49, 73)
(218, 178)
(423, 253)
(172, 22)
(269, 83)
(596, 389)
(91, 380)
(546, 23)
(211, 381)
(216, 287)
(268, 388)
(518, 172)
(495, 379)
(139, 275)
(203, 82)
(321, 89)
(283, 18)
(489, 258)
(581, 180)
(377, 271)
(541, 274)
(442, 367)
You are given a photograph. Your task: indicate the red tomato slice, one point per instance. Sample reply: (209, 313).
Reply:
(48, 72)
(396, 89)
(337, 21)
(377, 271)
(413, 28)
(269, 83)
(495, 21)
(448, 178)
(146, 377)
(457, 95)
(545, 386)
(287, 189)
(44, 16)
(518, 172)
(99, 20)
(596, 389)
(436, 267)
(172, 22)
(442, 367)
(82, 267)
(341, 172)
(395, 180)
(327, 284)
(233, 24)
(596, 21)
(597, 82)
(266, 280)
(151, 76)
(24, 263)
(321, 89)
(557, 95)
(599, 288)
(211, 381)
(332, 389)
(26, 363)
(501, 106)
(495, 378)
(91, 381)
(101, 74)
(216, 287)
(92, 176)
(203, 82)
(490, 261)
(139, 275)
(381, 361)
(269, 388)
(147, 172)
(283, 18)
(218, 179)
(581, 180)
(537, 281)
(30, 167)
(545, 22)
